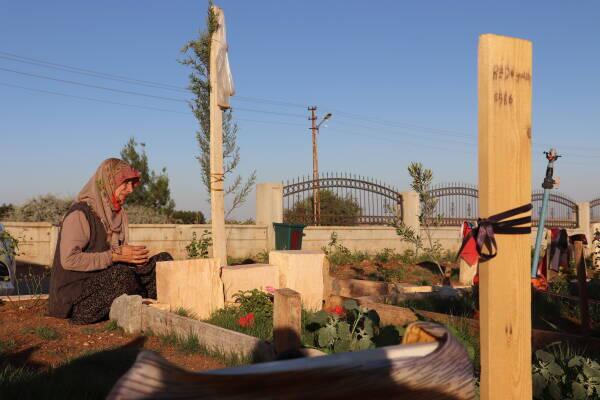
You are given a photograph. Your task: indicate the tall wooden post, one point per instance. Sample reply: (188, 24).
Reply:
(505, 183)
(217, 197)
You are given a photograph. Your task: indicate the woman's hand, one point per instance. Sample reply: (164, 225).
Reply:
(130, 254)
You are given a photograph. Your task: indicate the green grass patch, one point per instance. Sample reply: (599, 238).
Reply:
(111, 326)
(228, 318)
(184, 312)
(191, 345)
(7, 346)
(43, 332)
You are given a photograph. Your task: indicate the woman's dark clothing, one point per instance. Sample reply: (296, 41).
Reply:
(104, 286)
(86, 297)
(66, 285)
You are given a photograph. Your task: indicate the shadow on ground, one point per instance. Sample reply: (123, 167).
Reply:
(88, 377)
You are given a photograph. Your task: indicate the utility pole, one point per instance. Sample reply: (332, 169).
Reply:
(316, 186)
(316, 195)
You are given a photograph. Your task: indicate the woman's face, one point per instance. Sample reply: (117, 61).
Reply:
(123, 191)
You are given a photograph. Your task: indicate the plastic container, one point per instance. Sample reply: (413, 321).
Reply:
(288, 236)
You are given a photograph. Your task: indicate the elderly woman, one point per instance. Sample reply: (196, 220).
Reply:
(93, 262)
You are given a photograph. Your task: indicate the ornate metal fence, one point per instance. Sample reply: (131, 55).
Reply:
(595, 210)
(346, 200)
(562, 211)
(457, 202)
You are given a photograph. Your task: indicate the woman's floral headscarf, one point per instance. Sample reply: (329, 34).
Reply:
(99, 194)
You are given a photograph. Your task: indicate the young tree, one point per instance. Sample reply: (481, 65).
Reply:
(422, 178)
(154, 191)
(197, 53)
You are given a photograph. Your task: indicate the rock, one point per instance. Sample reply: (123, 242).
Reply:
(127, 311)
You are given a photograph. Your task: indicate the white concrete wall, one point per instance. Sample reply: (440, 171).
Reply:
(37, 240)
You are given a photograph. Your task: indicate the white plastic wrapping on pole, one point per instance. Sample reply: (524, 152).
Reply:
(221, 84)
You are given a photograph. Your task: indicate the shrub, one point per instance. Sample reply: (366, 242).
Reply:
(187, 217)
(199, 248)
(46, 208)
(347, 328)
(335, 210)
(138, 214)
(562, 372)
(254, 301)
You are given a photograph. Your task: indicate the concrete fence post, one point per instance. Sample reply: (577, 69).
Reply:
(584, 223)
(411, 208)
(269, 208)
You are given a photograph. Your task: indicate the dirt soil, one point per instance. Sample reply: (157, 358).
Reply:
(39, 342)
(423, 274)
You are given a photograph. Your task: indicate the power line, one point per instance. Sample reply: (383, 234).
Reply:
(92, 86)
(91, 98)
(158, 85)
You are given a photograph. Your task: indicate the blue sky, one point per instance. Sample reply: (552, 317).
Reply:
(399, 77)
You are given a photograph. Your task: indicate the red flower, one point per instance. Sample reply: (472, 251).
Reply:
(338, 310)
(246, 320)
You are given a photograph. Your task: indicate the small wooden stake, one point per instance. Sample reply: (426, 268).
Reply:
(287, 320)
(583, 294)
(505, 183)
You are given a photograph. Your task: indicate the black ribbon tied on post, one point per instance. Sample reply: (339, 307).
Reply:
(486, 228)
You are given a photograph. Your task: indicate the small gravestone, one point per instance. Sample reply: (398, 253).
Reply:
(127, 312)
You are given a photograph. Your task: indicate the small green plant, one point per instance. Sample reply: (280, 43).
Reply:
(44, 332)
(184, 312)
(111, 325)
(199, 248)
(337, 253)
(254, 301)
(385, 256)
(351, 328)
(189, 345)
(562, 372)
(8, 244)
(7, 345)
(262, 257)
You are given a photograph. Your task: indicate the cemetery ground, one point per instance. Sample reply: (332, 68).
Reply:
(44, 357)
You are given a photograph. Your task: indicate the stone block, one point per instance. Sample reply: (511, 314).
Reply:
(302, 271)
(248, 277)
(127, 312)
(195, 285)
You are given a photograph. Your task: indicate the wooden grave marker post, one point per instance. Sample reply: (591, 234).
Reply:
(221, 87)
(584, 307)
(504, 80)
(287, 320)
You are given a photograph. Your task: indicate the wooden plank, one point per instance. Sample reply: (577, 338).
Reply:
(584, 306)
(287, 320)
(217, 195)
(214, 337)
(505, 183)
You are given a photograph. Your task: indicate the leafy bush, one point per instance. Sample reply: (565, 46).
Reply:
(139, 214)
(335, 210)
(254, 301)
(561, 372)
(199, 248)
(5, 210)
(187, 217)
(337, 253)
(351, 328)
(46, 208)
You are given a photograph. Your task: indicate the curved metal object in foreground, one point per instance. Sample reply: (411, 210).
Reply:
(431, 365)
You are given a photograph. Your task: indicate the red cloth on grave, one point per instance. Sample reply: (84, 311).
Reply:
(469, 252)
